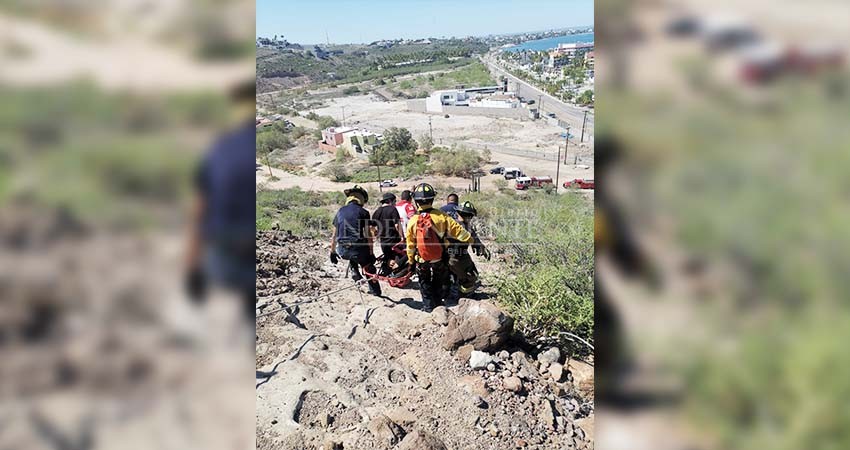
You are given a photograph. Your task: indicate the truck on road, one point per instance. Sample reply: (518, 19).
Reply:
(523, 183)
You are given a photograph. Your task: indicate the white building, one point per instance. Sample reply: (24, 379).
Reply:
(452, 97)
(565, 53)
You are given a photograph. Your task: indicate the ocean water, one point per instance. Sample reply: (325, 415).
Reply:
(550, 43)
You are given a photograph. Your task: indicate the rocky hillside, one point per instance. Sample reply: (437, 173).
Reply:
(354, 371)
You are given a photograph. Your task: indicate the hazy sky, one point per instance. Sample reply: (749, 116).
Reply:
(357, 21)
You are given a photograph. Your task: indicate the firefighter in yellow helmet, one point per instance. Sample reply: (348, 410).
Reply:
(427, 235)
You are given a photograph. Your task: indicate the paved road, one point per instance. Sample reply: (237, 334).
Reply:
(573, 115)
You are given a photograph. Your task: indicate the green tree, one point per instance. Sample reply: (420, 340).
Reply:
(458, 161)
(398, 145)
(270, 141)
(586, 98)
(425, 142)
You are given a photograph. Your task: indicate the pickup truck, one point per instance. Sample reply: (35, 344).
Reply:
(580, 183)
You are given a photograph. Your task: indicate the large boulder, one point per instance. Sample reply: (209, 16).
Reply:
(480, 324)
(420, 440)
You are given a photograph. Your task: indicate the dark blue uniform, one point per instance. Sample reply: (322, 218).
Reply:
(450, 209)
(226, 181)
(352, 242)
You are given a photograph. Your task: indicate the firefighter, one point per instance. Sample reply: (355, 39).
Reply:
(464, 274)
(427, 235)
(387, 225)
(450, 207)
(352, 239)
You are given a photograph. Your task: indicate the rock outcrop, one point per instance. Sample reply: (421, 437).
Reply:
(480, 324)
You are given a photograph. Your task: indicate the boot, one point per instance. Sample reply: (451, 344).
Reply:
(375, 288)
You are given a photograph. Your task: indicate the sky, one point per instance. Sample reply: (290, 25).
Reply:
(363, 21)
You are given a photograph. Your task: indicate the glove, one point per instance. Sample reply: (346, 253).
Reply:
(196, 284)
(334, 258)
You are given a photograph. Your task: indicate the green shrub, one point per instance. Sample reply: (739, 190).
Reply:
(305, 213)
(342, 155)
(271, 140)
(351, 90)
(548, 245)
(326, 122)
(457, 161)
(336, 171)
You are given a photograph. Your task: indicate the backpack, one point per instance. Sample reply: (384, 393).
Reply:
(428, 242)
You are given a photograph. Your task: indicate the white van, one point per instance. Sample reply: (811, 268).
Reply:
(512, 172)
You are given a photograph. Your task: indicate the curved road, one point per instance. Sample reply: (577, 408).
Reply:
(571, 114)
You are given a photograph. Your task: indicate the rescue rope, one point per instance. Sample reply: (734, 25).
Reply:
(302, 302)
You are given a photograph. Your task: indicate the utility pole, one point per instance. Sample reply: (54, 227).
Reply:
(343, 116)
(558, 170)
(378, 166)
(430, 130)
(540, 104)
(583, 125)
(566, 145)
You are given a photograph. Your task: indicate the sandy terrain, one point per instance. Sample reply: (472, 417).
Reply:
(367, 111)
(52, 56)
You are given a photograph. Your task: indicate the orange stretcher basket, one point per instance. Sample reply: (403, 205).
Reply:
(396, 282)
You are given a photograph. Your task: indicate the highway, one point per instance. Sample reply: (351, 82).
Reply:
(571, 114)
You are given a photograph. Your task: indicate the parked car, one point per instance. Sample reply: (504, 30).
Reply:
(580, 183)
(388, 183)
(523, 183)
(683, 26)
(499, 170)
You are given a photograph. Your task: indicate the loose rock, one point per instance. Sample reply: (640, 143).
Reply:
(556, 371)
(513, 384)
(420, 440)
(551, 355)
(440, 315)
(463, 353)
(479, 360)
(386, 431)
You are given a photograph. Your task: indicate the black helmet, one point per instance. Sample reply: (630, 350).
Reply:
(388, 197)
(424, 192)
(357, 190)
(467, 209)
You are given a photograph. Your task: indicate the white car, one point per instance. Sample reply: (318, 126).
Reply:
(388, 183)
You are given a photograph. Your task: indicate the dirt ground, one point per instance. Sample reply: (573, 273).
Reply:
(329, 369)
(370, 112)
(102, 350)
